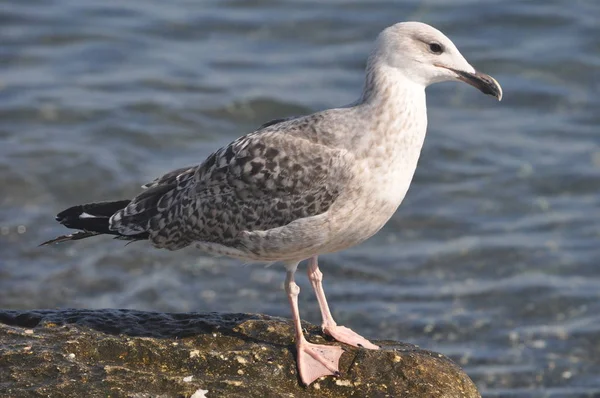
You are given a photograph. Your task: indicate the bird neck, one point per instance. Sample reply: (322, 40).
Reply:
(393, 114)
(394, 110)
(390, 89)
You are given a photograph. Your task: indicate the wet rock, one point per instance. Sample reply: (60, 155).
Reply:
(125, 353)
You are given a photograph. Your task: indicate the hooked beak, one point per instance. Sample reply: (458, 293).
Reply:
(484, 83)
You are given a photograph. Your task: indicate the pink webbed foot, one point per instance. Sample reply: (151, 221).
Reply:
(348, 336)
(315, 360)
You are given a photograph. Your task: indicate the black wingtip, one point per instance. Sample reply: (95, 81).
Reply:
(65, 238)
(58, 239)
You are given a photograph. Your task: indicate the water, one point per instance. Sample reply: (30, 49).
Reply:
(491, 259)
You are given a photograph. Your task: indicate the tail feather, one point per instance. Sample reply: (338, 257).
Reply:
(92, 219)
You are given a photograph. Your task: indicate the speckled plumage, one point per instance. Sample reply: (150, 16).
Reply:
(263, 180)
(289, 190)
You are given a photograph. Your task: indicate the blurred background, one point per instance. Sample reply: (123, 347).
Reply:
(493, 257)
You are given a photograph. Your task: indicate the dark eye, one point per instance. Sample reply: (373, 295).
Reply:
(436, 48)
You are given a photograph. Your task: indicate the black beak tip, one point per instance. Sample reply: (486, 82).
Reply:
(491, 87)
(484, 83)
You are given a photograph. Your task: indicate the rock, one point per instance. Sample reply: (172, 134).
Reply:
(125, 353)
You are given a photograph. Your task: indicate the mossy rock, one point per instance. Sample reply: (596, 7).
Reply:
(126, 353)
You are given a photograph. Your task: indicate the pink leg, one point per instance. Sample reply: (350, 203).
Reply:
(314, 360)
(340, 333)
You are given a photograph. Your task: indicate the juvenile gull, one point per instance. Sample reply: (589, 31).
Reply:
(296, 188)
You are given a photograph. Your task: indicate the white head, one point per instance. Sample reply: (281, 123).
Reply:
(425, 56)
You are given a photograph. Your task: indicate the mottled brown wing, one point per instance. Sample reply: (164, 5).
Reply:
(261, 181)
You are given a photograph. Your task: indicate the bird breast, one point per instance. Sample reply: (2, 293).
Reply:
(382, 181)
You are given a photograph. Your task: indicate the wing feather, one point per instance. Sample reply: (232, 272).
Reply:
(264, 180)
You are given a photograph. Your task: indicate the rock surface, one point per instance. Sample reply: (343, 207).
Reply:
(125, 353)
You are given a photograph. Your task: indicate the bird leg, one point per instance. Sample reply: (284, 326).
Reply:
(314, 360)
(340, 333)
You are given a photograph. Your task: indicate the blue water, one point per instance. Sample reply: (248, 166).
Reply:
(493, 257)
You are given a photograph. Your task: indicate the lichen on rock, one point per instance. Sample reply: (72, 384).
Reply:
(127, 353)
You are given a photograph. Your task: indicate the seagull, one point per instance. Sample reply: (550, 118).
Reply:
(300, 187)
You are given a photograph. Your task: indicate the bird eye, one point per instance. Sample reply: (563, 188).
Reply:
(436, 48)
